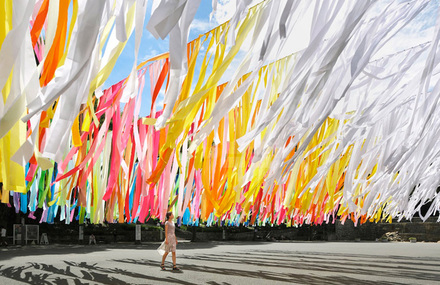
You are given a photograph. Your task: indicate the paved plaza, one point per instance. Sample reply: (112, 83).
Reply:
(225, 263)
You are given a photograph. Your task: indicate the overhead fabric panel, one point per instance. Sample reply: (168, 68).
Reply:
(246, 136)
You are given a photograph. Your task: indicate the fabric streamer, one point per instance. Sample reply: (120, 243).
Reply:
(248, 134)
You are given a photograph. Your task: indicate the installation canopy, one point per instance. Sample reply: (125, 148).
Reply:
(290, 112)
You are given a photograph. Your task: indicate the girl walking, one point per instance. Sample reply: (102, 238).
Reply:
(170, 242)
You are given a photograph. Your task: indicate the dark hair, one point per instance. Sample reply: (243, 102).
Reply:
(169, 215)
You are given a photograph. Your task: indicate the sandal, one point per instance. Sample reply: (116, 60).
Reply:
(162, 266)
(176, 268)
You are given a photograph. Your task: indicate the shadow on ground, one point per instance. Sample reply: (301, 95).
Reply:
(55, 249)
(266, 265)
(79, 273)
(345, 264)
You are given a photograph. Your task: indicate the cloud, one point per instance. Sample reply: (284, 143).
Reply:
(420, 30)
(160, 99)
(151, 48)
(201, 26)
(225, 11)
(151, 53)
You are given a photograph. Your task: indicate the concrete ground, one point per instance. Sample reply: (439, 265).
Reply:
(225, 263)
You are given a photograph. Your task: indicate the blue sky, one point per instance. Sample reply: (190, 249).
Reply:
(151, 47)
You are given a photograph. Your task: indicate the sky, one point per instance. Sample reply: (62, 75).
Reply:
(419, 31)
(151, 47)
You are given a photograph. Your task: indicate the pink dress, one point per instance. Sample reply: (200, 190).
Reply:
(171, 237)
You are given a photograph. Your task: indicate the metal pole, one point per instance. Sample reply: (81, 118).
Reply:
(138, 234)
(81, 234)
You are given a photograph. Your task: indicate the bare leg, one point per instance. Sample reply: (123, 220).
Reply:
(174, 258)
(164, 256)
